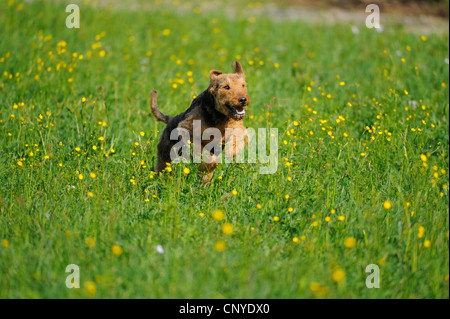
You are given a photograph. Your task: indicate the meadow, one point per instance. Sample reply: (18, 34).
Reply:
(362, 118)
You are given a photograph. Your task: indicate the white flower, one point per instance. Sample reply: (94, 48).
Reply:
(355, 29)
(160, 249)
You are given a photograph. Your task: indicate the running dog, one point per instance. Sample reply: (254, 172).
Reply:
(222, 105)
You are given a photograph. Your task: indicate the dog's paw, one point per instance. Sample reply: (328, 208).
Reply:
(206, 179)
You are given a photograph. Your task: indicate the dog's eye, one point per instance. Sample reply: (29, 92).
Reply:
(226, 87)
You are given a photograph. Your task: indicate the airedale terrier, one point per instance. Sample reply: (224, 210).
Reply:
(221, 105)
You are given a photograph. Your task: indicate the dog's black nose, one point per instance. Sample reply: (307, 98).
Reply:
(242, 100)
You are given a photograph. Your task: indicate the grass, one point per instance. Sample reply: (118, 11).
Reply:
(359, 128)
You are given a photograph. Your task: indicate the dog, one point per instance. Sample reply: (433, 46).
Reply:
(222, 105)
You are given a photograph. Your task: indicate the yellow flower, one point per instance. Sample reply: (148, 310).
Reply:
(166, 32)
(116, 250)
(234, 192)
(338, 275)
(341, 218)
(327, 219)
(218, 215)
(227, 229)
(90, 242)
(276, 218)
(77, 149)
(333, 211)
(5, 243)
(350, 242)
(290, 209)
(220, 245)
(142, 134)
(423, 157)
(315, 224)
(90, 194)
(20, 163)
(295, 240)
(421, 232)
(387, 205)
(83, 99)
(101, 138)
(92, 175)
(314, 286)
(201, 215)
(91, 288)
(186, 170)
(98, 279)
(427, 244)
(94, 147)
(317, 289)
(80, 177)
(258, 206)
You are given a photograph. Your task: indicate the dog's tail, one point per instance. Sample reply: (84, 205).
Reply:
(156, 112)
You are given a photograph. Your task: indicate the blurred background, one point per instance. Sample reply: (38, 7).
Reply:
(434, 7)
(421, 16)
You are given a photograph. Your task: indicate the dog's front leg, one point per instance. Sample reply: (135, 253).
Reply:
(235, 143)
(208, 167)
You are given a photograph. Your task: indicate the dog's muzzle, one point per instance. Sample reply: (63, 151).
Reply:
(238, 110)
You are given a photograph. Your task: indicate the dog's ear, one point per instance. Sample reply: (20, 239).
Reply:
(213, 74)
(237, 68)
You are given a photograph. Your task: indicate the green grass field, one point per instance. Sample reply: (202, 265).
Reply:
(363, 122)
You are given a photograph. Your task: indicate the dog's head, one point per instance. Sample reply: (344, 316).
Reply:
(230, 91)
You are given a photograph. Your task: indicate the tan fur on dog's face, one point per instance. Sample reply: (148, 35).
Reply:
(230, 92)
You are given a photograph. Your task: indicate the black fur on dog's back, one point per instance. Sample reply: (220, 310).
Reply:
(206, 102)
(212, 117)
